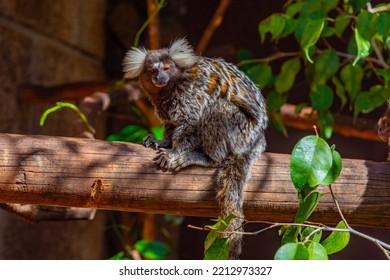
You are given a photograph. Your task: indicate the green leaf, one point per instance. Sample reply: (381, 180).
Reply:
(153, 250)
(325, 123)
(366, 24)
(216, 230)
(264, 27)
(307, 207)
(275, 101)
(352, 76)
(293, 9)
(119, 256)
(385, 73)
(317, 251)
(321, 97)
(289, 27)
(158, 132)
(363, 47)
(282, 229)
(335, 170)
(316, 237)
(367, 101)
(260, 74)
(383, 25)
(356, 4)
(337, 240)
(311, 34)
(277, 123)
(219, 250)
(292, 251)
(276, 26)
(325, 66)
(328, 5)
(131, 133)
(310, 162)
(328, 31)
(340, 92)
(285, 80)
(290, 234)
(242, 55)
(341, 22)
(311, 10)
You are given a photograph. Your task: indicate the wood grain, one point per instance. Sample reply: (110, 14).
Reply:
(72, 172)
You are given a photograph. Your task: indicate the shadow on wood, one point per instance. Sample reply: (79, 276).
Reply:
(72, 172)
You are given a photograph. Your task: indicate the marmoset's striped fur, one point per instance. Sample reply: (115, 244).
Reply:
(213, 114)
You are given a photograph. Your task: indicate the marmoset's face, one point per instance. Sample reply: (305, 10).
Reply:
(160, 68)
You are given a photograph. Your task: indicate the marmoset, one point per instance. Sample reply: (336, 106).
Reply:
(213, 116)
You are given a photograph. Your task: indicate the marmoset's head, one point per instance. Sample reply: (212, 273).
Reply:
(160, 66)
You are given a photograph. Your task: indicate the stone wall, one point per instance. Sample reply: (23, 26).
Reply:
(45, 42)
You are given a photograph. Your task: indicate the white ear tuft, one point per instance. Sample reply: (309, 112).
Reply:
(133, 62)
(182, 53)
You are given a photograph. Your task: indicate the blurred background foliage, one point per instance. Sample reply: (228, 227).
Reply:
(343, 47)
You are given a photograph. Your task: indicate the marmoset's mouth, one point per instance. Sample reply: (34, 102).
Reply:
(158, 83)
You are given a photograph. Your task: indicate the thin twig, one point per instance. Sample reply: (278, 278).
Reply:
(378, 61)
(213, 25)
(311, 234)
(377, 9)
(385, 248)
(198, 228)
(368, 59)
(381, 245)
(326, 228)
(161, 4)
(268, 59)
(121, 238)
(338, 207)
(379, 54)
(273, 225)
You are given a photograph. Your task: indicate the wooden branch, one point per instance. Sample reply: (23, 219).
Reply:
(37, 213)
(88, 173)
(154, 25)
(213, 25)
(50, 95)
(362, 129)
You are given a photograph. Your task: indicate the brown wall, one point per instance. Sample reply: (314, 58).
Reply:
(45, 42)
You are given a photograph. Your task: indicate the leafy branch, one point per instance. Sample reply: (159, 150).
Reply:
(385, 248)
(361, 33)
(313, 163)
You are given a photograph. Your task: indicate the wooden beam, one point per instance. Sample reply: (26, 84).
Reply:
(71, 172)
(362, 128)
